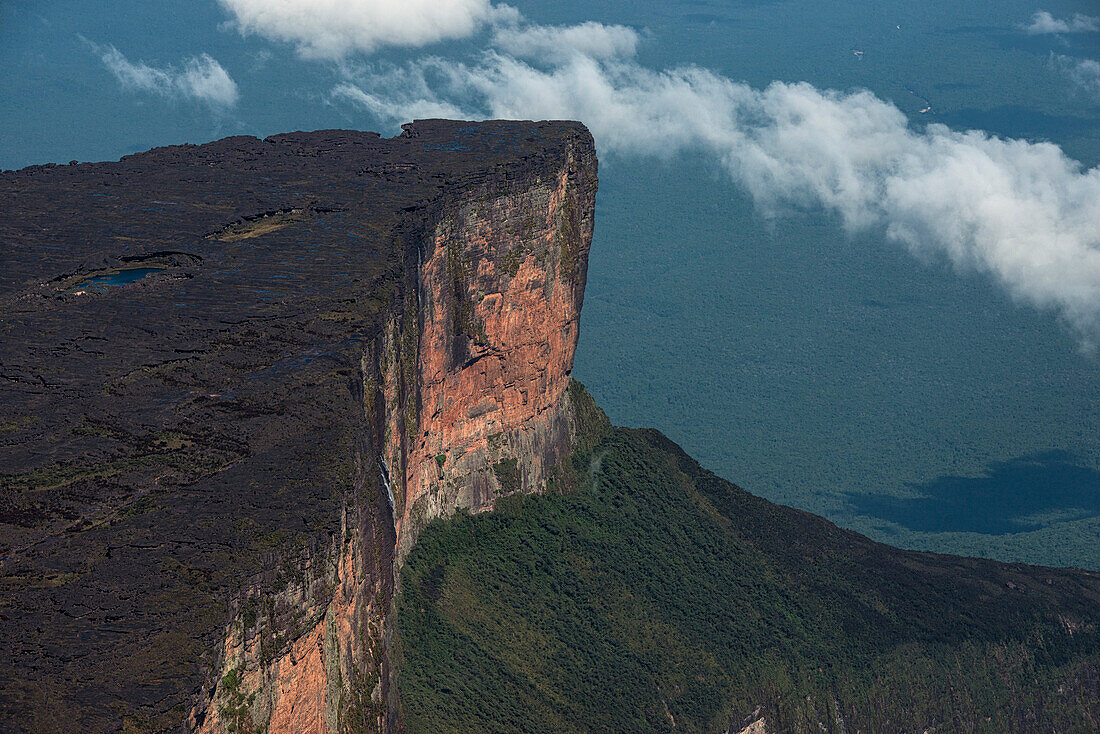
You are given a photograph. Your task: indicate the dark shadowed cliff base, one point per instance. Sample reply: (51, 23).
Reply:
(245, 384)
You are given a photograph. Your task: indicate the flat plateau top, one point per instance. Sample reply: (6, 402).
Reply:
(58, 219)
(181, 333)
(112, 268)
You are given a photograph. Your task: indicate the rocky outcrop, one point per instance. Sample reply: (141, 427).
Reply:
(470, 377)
(239, 379)
(757, 727)
(327, 672)
(486, 410)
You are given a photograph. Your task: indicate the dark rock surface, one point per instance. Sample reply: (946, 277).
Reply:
(168, 441)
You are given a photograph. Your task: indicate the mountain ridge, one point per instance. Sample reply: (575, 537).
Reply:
(226, 407)
(250, 386)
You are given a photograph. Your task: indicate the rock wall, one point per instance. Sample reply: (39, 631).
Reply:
(465, 399)
(485, 410)
(291, 664)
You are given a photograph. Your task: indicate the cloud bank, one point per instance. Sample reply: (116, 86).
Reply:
(1043, 22)
(332, 29)
(1021, 212)
(201, 78)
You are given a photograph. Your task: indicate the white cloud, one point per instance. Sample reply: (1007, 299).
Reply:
(204, 78)
(1021, 212)
(557, 43)
(1085, 73)
(400, 111)
(332, 29)
(201, 78)
(1043, 22)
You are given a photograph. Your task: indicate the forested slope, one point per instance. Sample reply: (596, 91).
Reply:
(652, 595)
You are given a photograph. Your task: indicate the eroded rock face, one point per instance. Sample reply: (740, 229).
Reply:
(328, 678)
(212, 468)
(473, 372)
(500, 297)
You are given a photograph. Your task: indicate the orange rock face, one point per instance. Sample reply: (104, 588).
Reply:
(303, 688)
(466, 390)
(500, 299)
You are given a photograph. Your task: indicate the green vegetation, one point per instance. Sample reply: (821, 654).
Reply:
(461, 312)
(569, 236)
(235, 709)
(17, 424)
(507, 473)
(513, 259)
(60, 475)
(658, 593)
(408, 340)
(262, 225)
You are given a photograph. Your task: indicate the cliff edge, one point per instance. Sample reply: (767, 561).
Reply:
(239, 379)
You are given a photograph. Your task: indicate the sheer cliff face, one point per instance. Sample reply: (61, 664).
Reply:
(499, 299)
(471, 382)
(213, 473)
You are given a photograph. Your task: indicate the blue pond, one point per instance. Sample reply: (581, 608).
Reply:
(120, 278)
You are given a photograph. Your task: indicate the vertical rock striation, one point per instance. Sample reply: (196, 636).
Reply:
(212, 473)
(499, 291)
(465, 391)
